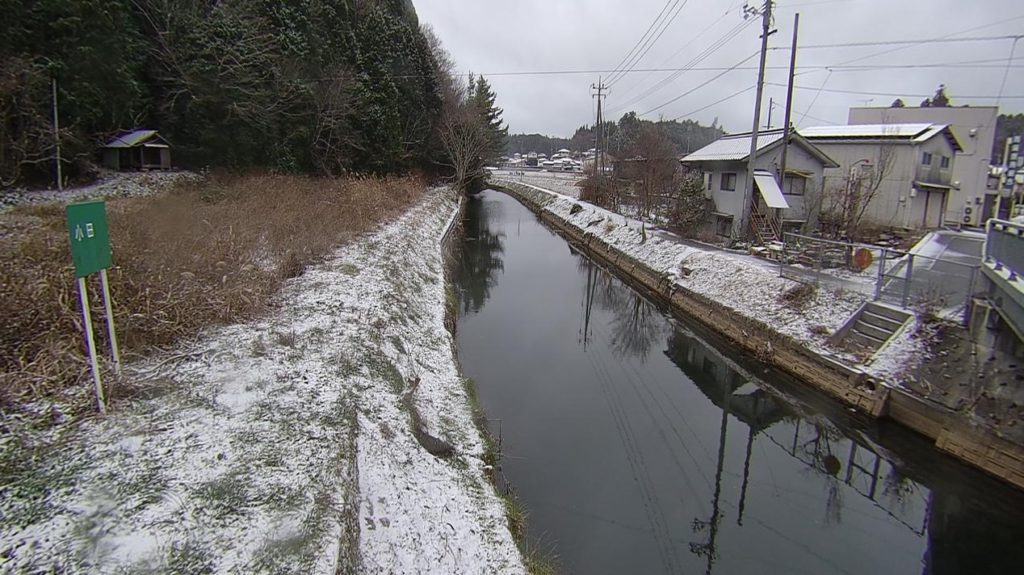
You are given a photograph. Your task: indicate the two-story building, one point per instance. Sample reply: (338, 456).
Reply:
(970, 202)
(770, 208)
(905, 171)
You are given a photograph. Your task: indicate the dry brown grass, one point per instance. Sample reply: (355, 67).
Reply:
(202, 254)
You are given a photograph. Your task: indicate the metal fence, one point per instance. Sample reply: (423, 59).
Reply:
(878, 273)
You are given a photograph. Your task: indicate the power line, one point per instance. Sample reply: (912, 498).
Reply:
(816, 94)
(703, 55)
(805, 114)
(898, 95)
(943, 39)
(699, 86)
(693, 39)
(965, 31)
(632, 50)
(651, 43)
(716, 102)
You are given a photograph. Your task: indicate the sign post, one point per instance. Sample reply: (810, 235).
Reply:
(90, 252)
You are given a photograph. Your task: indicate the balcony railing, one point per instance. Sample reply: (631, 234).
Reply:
(1004, 246)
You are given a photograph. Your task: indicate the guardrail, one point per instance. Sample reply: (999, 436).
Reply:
(1004, 245)
(881, 274)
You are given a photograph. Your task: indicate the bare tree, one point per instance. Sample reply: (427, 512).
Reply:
(465, 142)
(655, 167)
(332, 135)
(844, 207)
(27, 140)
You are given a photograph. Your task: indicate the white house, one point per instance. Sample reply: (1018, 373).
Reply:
(770, 209)
(905, 171)
(970, 202)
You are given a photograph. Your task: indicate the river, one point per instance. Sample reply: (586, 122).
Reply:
(641, 444)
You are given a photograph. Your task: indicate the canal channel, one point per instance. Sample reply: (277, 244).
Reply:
(639, 443)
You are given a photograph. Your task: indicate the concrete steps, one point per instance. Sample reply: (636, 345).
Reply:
(869, 328)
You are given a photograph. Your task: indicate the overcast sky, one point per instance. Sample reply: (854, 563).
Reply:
(498, 38)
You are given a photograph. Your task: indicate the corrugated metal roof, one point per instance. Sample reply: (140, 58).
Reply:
(131, 139)
(734, 147)
(867, 131)
(911, 132)
(770, 191)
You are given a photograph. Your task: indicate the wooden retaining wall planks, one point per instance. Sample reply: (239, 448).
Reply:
(950, 431)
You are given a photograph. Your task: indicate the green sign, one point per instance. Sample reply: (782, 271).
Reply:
(90, 240)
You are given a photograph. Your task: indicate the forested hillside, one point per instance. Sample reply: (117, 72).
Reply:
(684, 136)
(324, 86)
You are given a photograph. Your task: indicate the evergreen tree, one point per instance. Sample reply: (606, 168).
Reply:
(483, 101)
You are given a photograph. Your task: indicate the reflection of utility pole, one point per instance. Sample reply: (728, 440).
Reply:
(708, 550)
(588, 302)
(746, 476)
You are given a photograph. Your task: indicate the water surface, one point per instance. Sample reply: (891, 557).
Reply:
(641, 445)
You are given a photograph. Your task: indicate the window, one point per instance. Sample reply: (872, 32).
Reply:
(926, 159)
(944, 162)
(723, 225)
(728, 181)
(795, 185)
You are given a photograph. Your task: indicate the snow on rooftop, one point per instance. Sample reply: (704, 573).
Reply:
(733, 147)
(868, 131)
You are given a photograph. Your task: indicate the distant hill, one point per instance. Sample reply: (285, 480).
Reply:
(685, 136)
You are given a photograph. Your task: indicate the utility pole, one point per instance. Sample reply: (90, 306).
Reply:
(56, 136)
(599, 127)
(771, 106)
(748, 190)
(789, 103)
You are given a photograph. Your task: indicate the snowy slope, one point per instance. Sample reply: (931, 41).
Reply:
(283, 445)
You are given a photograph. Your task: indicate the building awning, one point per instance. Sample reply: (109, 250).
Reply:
(941, 187)
(770, 191)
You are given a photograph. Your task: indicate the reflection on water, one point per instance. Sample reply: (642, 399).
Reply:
(692, 460)
(481, 255)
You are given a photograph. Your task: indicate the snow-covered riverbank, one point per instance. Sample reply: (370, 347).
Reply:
(282, 445)
(753, 291)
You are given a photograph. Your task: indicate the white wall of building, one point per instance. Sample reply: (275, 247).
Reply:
(975, 129)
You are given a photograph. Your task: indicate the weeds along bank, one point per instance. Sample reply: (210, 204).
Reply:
(291, 442)
(204, 253)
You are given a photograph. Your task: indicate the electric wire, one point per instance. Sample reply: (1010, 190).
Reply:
(657, 18)
(639, 57)
(701, 85)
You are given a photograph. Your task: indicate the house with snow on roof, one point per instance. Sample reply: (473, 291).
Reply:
(765, 210)
(889, 175)
(137, 150)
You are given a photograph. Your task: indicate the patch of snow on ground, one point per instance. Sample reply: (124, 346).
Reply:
(563, 183)
(284, 445)
(110, 185)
